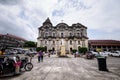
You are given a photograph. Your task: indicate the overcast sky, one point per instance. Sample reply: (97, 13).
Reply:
(24, 17)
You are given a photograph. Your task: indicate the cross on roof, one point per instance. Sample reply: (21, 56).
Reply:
(62, 21)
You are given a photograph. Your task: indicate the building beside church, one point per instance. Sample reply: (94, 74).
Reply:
(53, 37)
(104, 45)
(9, 40)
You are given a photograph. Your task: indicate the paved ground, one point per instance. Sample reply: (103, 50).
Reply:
(54, 68)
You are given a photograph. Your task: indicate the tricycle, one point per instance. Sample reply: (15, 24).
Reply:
(12, 65)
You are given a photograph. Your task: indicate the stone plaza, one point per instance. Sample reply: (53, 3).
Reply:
(70, 68)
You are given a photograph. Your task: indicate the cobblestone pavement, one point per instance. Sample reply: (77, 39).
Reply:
(54, 68)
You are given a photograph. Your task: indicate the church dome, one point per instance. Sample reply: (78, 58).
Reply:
(62, 25)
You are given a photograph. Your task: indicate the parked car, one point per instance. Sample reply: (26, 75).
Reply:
(89, 55)
(95, 53)
(104, 54)
(30, 53)
(115, 54)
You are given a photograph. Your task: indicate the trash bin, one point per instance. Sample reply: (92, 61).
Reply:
(102, 64)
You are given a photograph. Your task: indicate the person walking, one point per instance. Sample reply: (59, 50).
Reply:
(49, 54)
(40, 56)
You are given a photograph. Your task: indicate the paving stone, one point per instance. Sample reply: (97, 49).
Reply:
(55, 68)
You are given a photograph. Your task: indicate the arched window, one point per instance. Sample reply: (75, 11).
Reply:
(79, 47)
(62, 35)
(70, 49)
(39, 32)
(45, 42)
(46, 34)
(53, 34)
(53, 49)
(53, 42)
(70, 34)
(78, 34)
(70, 42)
(78, 42)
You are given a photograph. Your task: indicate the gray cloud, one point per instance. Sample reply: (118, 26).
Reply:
(58, 12)
(10, 2)
(23, 17)
(78, 4)
(9, 26)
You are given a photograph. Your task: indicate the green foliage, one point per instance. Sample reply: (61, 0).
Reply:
(82, 50)
(71, 37)
(30, 44)
(41, 48)
(38, 49)
(74, 50)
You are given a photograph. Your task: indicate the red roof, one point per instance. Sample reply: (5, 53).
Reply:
(10, 35)
(13, 36)
(104, 42)
(1, 34)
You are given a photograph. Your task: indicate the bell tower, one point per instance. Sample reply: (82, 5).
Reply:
(47, 23)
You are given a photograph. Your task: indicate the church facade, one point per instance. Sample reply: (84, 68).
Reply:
(53, 37)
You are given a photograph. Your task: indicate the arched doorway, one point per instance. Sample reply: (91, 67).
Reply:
(79, 48)
(71, 50)
(53, 50)
(45, 48)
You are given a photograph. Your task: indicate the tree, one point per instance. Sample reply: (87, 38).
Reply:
(41, 48)
(74, 50)
(82, 50)
(30, 44)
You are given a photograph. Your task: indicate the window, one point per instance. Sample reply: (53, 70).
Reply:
(70, 34)
(45, 42)
(39, 32)
(46, 34)
(41, 41)
(78, 42)
(70, 42)
(83, 43)
(61, 34)
(53, 42)
(53, 34)
(78, 34)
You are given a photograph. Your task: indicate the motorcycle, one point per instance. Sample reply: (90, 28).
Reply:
(26, 64)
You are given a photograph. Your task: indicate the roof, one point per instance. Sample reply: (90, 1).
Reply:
(61, 24)
(1, 34)
(16, 37)
(13, 36)
(104, 42)
(47, 21)
(78, 25)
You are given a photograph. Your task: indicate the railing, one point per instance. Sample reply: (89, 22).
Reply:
(69, 37)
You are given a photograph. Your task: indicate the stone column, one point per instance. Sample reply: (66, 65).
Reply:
(66, 45)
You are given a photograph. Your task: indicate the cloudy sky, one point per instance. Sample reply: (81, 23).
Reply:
(23, 17)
